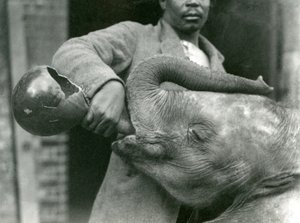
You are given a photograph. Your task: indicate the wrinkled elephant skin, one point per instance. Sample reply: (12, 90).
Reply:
(233, 153)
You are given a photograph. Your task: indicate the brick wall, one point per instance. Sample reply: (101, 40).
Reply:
(52, 177)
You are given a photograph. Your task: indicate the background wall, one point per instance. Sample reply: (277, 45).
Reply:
(45, 29)
(247, 33)
(33, 170)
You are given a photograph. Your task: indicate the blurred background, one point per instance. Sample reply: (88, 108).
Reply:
(55, 179)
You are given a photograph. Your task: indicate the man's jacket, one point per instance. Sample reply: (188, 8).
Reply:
(91, 61)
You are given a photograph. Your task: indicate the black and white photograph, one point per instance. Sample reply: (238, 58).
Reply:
(149, 111)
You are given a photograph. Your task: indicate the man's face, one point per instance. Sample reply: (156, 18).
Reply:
(185, 16)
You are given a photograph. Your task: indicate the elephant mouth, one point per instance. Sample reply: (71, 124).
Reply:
(116, 148)
(124, 147)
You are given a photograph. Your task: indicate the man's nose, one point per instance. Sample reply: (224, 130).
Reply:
(192, 3)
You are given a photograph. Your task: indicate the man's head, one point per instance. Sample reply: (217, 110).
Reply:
(185, 16)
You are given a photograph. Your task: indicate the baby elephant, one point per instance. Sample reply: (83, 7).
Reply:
(233, 154)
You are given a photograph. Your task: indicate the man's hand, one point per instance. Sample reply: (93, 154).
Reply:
(105, 109)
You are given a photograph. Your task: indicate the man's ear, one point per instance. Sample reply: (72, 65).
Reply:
(162, 4)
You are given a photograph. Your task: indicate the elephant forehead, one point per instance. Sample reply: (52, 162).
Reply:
(246, 131)
(243, 112)
(247, 117)
(227, 112)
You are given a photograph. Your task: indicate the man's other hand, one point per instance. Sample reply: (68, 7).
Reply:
(105, 109)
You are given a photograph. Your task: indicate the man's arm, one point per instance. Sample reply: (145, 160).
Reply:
(93, 62)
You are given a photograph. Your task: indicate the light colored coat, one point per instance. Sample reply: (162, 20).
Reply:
(90, 61)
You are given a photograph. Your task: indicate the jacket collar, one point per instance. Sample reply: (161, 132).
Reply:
(170, 44)
(169, 40)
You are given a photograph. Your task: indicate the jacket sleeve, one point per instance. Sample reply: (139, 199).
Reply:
(93, 60)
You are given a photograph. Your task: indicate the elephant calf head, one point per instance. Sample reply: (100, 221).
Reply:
(206, 147)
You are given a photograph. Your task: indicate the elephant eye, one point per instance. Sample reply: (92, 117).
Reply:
(200, 132)
(193, 136)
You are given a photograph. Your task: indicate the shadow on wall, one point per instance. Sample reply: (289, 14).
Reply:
(88, 160)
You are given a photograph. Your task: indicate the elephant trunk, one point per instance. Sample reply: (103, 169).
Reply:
(147, 99)
(151, 73)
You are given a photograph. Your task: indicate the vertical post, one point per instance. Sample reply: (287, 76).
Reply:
(290, 70)
(8, 194)
(24, 142)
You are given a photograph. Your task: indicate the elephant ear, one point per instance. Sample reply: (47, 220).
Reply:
(201, 132)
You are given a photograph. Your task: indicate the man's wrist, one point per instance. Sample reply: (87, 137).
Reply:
(113, 83)
(113, 86)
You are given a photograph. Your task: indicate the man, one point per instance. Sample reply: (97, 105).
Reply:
(100, 63)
